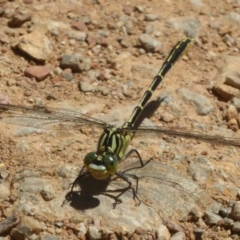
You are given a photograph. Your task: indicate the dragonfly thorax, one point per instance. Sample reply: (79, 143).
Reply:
(101, 166)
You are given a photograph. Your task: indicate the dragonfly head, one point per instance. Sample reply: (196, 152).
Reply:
(101, 166)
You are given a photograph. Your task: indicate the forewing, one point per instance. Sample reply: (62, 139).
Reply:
(45, 117)
(167, 191)
(189, 134)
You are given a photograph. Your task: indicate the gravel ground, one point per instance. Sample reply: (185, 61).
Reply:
(98, 58)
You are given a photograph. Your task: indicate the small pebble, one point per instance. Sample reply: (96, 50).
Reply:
(86, 87)
(235, 213)
(211, 218)
(151, 17)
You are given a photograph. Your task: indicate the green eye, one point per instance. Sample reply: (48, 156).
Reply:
(111, 163)
(89, 158)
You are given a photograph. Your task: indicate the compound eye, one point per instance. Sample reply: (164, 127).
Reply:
(111, 163)
(89, 158)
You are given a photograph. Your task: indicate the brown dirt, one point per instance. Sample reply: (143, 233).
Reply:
(195, 71)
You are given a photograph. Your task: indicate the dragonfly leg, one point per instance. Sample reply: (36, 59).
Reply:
(134, 150)
(70, 195)
(81, 175)
(124, 177)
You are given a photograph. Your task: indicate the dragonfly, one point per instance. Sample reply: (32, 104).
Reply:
(114, 141)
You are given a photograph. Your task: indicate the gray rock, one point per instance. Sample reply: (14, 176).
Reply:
(151, 17)
(51, 96)
(49, 237)
(231, 112)
(211, 218)
(4, 192)
(234, 16)
(178, 236)
(94, 233)
(143, 70)
(162, 232)
(150, 44)
(86, 87)
(169, 193)
(195, 214)
(48, 193)
(3, 173)
(173, 104)
(9, 13)
(59, 224)
(26, 131)
(227, 223)
(235, 102)
(31, 184)
(24, 174)
(229, 40)
(21, 232)
(32, 224)
(200, 172)
(79, 36)
(202, 104)
(149, 29)
(129, 26)
(197, 3)
(235, 213)
(213, 130)
(237, 2)
(198, 232)
(57, 71)
(104, 90)
(141, 51)
(233, 79)
(236, 227)
(67, 75)
(68, 171)
(103, 33)
(11, 82)
(180, 158)
(77, 62)
(139, 8)
(166, 116)
(188, 25)
(125, 42)
(225, 212)
(72, 15)
(82, 228)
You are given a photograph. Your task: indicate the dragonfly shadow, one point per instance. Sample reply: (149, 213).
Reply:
(111, 188)
(89, 189)
(148, 111)
(85, 198)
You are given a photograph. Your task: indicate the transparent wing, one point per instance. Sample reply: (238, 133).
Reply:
(164, 189)
(189, 134)
(46, 117)
(62, 119)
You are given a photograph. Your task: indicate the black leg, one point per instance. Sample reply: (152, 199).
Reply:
(81, 175)
(125, 176)
(70, 195)
(134, 150)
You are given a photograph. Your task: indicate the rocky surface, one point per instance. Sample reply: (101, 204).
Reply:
(98, 58)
